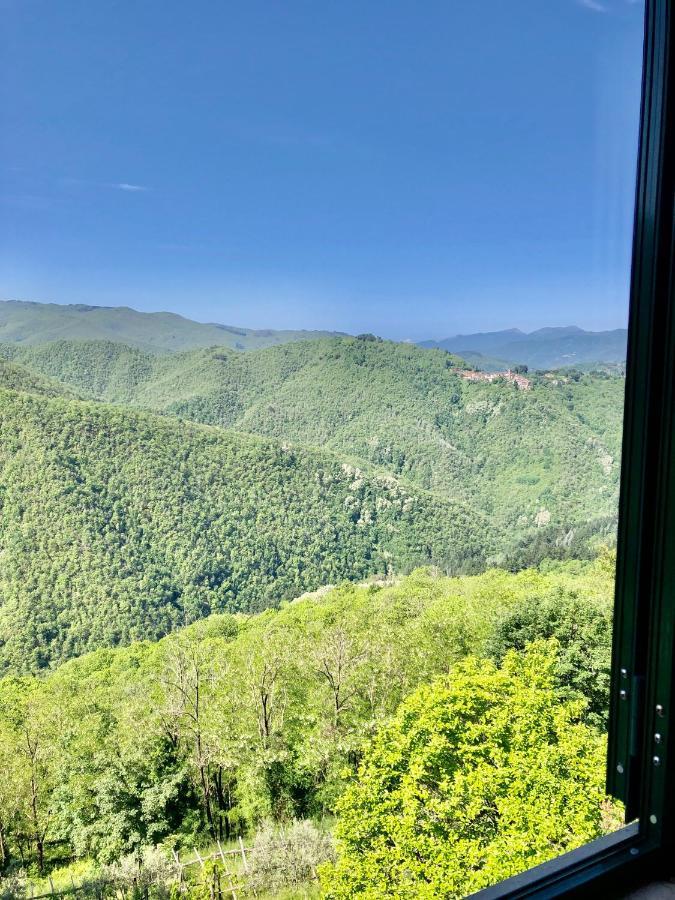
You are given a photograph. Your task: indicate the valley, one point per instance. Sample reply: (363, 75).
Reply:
(234, 581)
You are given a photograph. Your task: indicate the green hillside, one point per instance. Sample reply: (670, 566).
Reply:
(238, 719)
(19, 378)
(538, 462)
(119, 525)
(27, 322)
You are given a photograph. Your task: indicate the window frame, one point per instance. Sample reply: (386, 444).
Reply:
(640, 758)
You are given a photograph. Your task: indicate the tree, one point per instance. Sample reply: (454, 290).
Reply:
(480, 775)
(337, 655)
(184, 680)
(269, 716)
(27, 733)
(583, 629)
(11, 790)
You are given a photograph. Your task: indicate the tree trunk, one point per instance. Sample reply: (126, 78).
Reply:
(39, 838)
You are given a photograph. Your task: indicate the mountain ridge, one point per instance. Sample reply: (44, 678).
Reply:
(399, 407)
(545, 348)
(31, 322)
(28, 322)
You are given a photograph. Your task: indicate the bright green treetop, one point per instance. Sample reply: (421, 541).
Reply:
(480, 775)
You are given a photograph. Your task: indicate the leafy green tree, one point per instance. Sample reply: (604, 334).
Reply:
(27, 736)
(117, 781)
(479, 775)
(272, 688)
(584, 633)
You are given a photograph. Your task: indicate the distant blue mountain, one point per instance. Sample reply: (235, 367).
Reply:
(546, 348)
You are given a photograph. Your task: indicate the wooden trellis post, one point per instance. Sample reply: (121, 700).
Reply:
(179, 866)
(228, 873)
(245, 863)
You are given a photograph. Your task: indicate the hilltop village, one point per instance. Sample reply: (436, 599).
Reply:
(523, 383)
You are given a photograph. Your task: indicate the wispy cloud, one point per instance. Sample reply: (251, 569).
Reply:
(70, 182)
(593, 5)
(132, 188)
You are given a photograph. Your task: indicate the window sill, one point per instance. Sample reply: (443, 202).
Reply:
(567, 875)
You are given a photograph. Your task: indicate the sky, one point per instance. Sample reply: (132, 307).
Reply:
(417, 169)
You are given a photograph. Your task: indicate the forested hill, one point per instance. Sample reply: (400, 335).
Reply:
(548, 456)
(274, 472)
(18, 377)
(27, 322)
(119, 525)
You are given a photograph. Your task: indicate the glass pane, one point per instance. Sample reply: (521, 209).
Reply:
(311, 394)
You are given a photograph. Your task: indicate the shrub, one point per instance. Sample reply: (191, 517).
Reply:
(136, 875)
(12, 887)
(288, 855)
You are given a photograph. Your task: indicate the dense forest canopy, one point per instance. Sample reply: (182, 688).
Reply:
(119, 525)
(318, 461)
(552, 450)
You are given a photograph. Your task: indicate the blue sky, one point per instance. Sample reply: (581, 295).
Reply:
(416, 169)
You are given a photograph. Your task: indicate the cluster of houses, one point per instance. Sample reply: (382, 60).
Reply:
(523, 383)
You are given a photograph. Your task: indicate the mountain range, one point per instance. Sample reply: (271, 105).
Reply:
(546, 348)
(398, 407)
(148, 480)
(28, 322)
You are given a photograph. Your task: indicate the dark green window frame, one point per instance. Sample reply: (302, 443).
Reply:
(641, 748)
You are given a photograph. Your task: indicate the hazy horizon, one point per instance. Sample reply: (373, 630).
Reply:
(301, 327)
